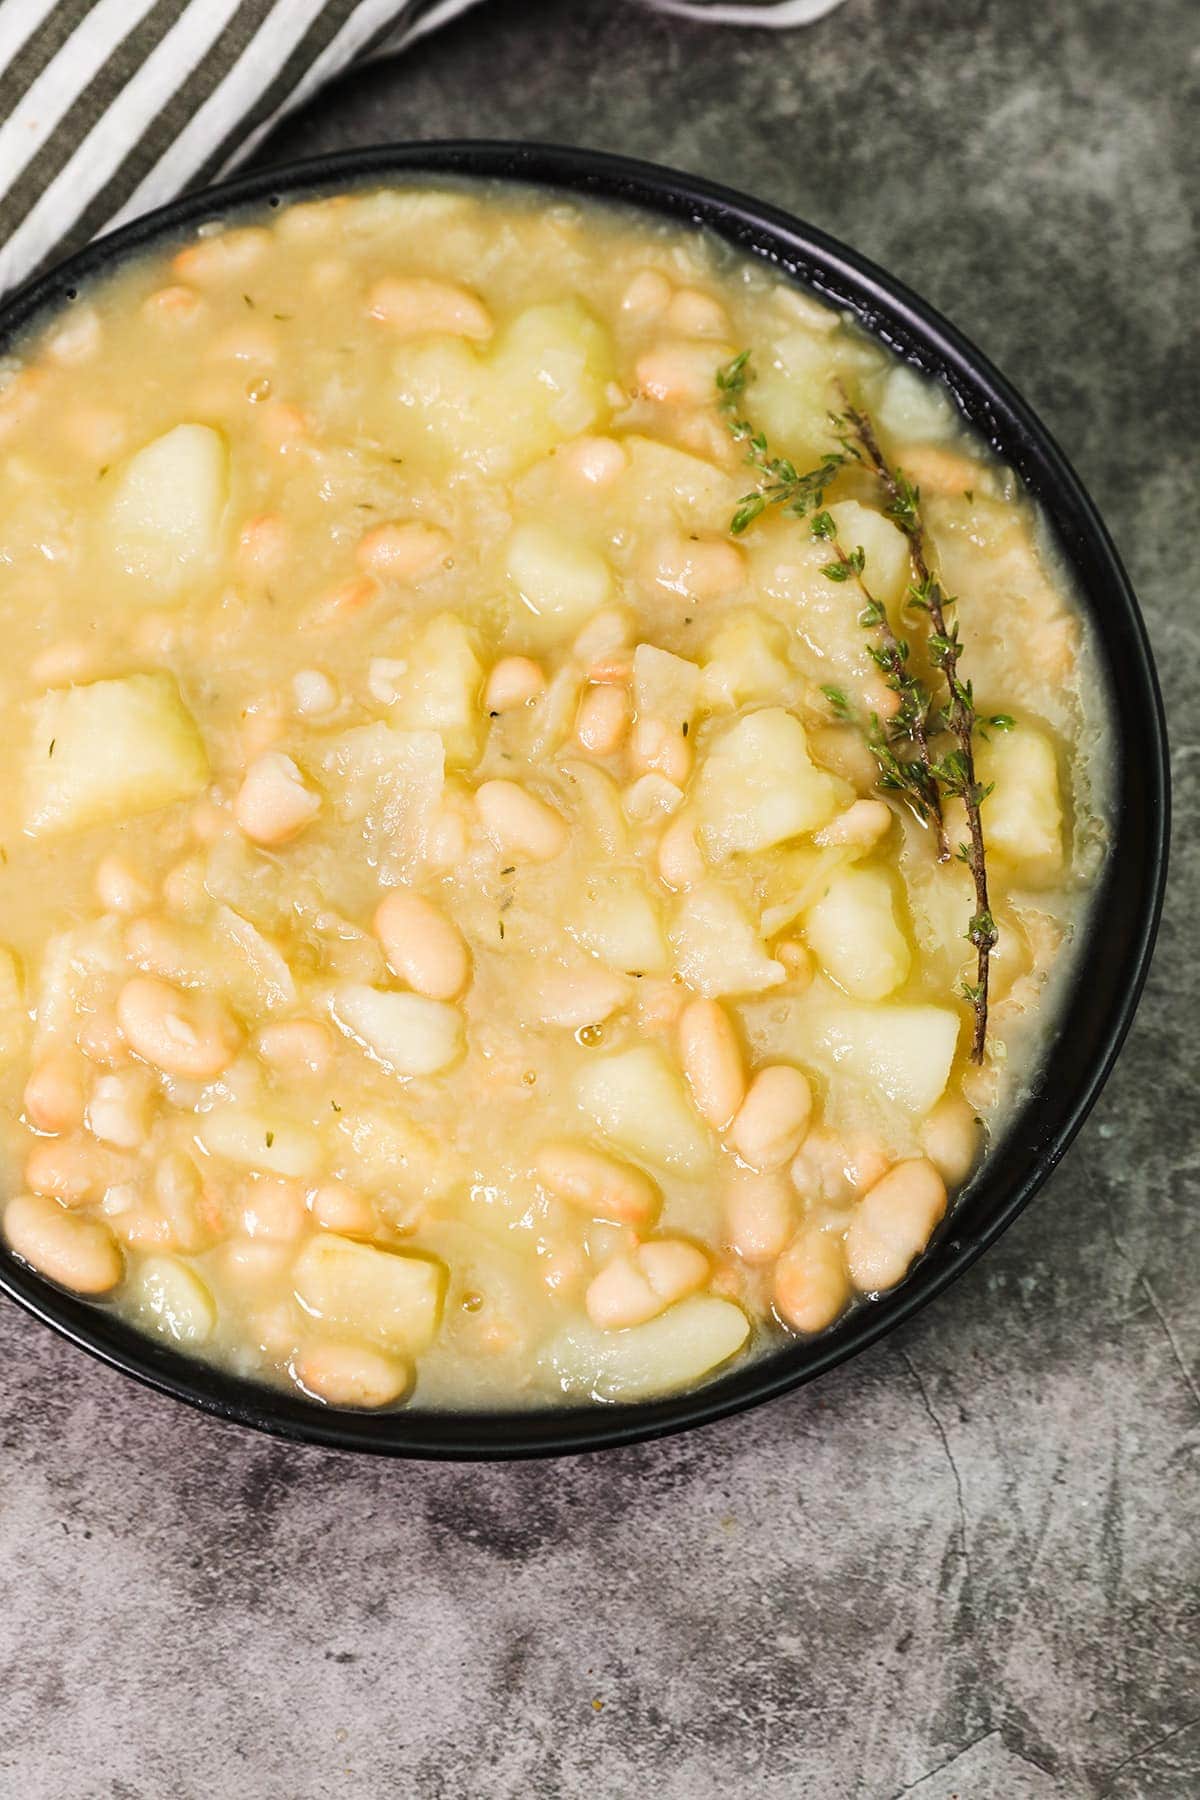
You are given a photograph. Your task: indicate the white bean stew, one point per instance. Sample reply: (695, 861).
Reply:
(482, 907)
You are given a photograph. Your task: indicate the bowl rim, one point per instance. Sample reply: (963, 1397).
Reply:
(888, 310)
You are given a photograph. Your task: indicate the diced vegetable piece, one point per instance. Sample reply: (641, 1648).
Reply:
(906, 1052)
(109, 751)
(391, 782)
(550, 369)
(682, 1344)
(14, 1024)
(258, 1140)
(620, 924)
(662, 480)
(747, 660)
(912, 406)
(439, 393)
(165, 516)
(542, 382)
(1022, 816)
(390, 1151)
(171, 1300)
(758, 786)
(717, 947)
(853, 930)
(640, 1104)
(665, 687)
(391, 1298)
(559, 581)
(407, 1033)
(261, 980)
(885, 546)
(439, 687)
(791, 396)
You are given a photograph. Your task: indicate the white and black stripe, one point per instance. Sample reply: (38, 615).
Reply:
(110, 107)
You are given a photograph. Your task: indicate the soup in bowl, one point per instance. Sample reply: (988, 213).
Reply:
(556, 794)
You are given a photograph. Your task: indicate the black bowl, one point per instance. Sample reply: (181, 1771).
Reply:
(1095, 1013)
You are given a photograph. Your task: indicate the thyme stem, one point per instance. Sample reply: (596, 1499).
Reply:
(957, 770)
(911, 720)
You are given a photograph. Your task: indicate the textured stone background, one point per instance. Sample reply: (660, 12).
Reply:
(967, 1564)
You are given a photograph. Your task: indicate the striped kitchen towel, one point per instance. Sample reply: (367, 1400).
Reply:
(110, 107)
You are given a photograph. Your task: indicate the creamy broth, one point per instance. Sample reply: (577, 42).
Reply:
(454, 947)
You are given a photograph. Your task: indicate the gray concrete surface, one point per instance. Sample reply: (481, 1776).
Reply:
(967, 1564)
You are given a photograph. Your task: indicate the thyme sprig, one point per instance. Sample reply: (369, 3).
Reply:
(955, 770)
(914, 777)
(802, 493)
(925, 781)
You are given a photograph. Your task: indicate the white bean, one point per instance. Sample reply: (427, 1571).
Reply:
(77, 1252)
(599, 1185)
(759, 1214)
(119, 888)
(71, 1170)
(696, 314)
(633, 1288)
(603, 718)
(339, 1208)
(351, 1375)
(273, 1209)
(298, 1049)
(811, 1286)
(712, 1061)
(54, 1094)
(950, 1138)
(597, 461)
(116, 1108)
(892, 1224)
(518, 823)
(680, 372)
(773, 1118)
(186, 1034)
(403, 550)
(862, 824)
(648, 294)
(681, 861)
(514, 681)
(273, 802)
(414, 306)
(422, 946)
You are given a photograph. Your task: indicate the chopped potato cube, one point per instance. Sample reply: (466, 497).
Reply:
(407, 1033)
(259, 1140)
(557, 579)
(542, 382)
(640, 1104)
(172, 1301)
(886, 570)
(109, 751)
(717, 947)
(758, 786)
(747, 660)
(906, 1052)
(439, 686)
(620, 924)
(665, 687)
(165, 516)
(389, 1151)
(1022, 816)
(853, 930)
(665, 1354)
(392, 783)
(392, 1298)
